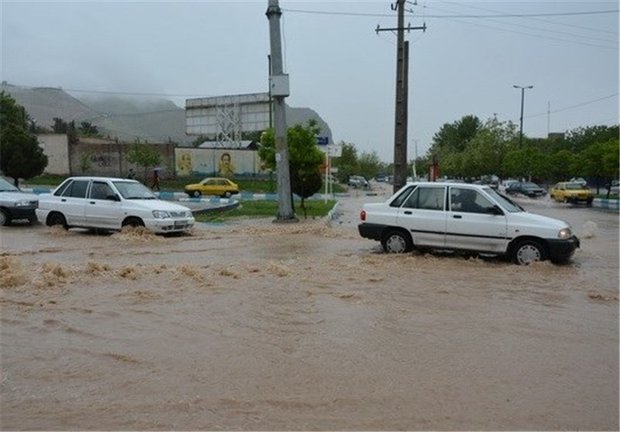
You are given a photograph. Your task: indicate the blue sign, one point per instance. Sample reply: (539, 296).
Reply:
(322, 140)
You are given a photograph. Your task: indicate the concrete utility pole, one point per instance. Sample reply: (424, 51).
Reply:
(523, 88)
(402, 91)
(279, 89)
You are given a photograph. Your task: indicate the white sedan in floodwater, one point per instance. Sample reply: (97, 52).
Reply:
(111, 203)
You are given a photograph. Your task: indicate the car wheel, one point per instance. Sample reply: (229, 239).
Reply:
(397, 241)
(227, 194)
(196, 194)
(4, 218)
(133, 222)
(56, 219)
(528, 251)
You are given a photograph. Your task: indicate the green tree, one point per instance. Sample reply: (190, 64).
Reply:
(347, 163)
(581, 138)
(600, 161)
(87, 129)
(60, 126)
(144, 155)
(563, 165)
(453, 137)
(20, 153)
(305, 158)
(369, 164)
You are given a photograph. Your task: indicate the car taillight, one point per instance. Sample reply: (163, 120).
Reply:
(363, 215)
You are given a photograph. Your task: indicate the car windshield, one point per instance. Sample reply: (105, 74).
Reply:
(530, 185)
(504, 201)
(5, 186)
(134, 190)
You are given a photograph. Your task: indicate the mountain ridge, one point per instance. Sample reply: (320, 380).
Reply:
(123, 117)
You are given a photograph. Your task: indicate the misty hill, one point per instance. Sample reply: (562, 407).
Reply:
(125, 118)
(45, 103)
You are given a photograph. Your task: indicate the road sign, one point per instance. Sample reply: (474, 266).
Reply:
(322, 140)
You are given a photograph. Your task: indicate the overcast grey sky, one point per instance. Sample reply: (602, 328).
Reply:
(466, 62)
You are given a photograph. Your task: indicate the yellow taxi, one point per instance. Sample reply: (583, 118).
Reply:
(218, 186)
(571, 192)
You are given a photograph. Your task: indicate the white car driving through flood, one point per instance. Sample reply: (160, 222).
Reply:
(467, 217)
(111, 203)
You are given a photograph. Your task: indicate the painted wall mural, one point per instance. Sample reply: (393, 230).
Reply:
(219, 162)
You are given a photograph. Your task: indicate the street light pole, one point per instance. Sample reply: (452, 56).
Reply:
(521, 118)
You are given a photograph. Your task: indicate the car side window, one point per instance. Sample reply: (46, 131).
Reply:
(426, 198)
(61, 190)
(77, 189)
(101, 191)
(398, 201)
(468, 201)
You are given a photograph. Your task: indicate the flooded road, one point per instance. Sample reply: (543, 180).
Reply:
(256, 326)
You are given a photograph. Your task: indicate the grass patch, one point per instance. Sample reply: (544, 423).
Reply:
(260, 209)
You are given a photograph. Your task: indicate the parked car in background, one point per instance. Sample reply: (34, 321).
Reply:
(579, 180)
(614, 187)
(111, 203)
(15, 204)
(461, 216)
(570, 192)
(218, 186)
(359, 182)
(529, 189)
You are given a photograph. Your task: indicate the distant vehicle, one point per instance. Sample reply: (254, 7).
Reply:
(218, 186)
(381, 178)
(571, 192)
(15, 204)
(111, 204)
(505, 183)
(461, 216)
(357, 181)
(529, 189)
(613, 187)
(580, 180)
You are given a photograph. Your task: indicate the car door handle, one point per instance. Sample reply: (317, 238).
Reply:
(408, 212)
(63, 200)
(457, 216)
(93, 202)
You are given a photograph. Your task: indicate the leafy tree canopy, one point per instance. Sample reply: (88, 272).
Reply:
(20, 153)
(305, 158)
(143, 155)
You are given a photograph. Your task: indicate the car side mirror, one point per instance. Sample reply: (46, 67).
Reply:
(495, 210)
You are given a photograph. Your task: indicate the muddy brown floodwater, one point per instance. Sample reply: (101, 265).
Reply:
(256, 326)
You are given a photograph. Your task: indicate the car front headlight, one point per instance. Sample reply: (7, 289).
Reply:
(160, 214)
(565, 233)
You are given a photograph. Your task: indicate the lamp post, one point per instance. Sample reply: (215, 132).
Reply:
(521, 118)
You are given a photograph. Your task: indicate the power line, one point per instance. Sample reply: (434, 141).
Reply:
(477, 24)
(550, 14)
(546, 29)
(534, 18)
(579, 105)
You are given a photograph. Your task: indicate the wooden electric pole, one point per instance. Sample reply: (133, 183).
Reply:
(402, 95)
(279, 89)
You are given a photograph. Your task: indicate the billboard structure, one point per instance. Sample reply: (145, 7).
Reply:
(224, 118)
